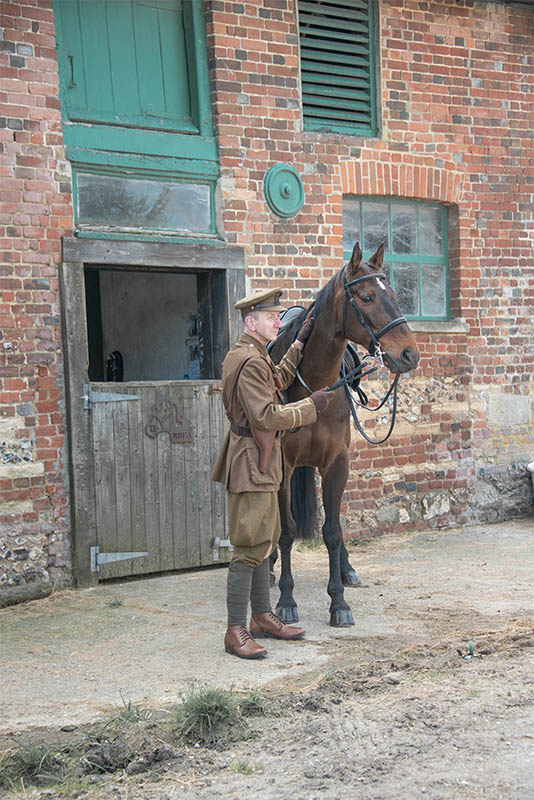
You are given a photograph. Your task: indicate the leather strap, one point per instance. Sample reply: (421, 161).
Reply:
(240, 430)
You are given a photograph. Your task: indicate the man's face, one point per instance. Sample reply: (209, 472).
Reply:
(264, 325)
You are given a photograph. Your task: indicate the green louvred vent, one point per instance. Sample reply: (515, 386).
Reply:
(337, 60)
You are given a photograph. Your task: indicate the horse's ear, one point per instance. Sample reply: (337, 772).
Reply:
(355, 260)
(378, 258)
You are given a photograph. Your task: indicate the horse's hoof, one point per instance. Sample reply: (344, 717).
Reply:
(272, 579)
(287, 614)
(351, 579)
(342, 618)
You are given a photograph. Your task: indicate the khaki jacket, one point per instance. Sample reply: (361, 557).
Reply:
(256, 403)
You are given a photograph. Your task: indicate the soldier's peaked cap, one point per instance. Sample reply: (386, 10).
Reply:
(266, 300)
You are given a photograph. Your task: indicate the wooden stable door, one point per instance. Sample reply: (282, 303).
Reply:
(152, 458)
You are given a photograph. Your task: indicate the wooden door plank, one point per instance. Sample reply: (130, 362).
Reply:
(137, 480)
(122, 489)
(179, 509)
(165, 489)
(192, 468)
(105, 484)
(151, 490)
(218, 428)
(202, 447)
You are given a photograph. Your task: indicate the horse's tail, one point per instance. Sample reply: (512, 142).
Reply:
(304, 502)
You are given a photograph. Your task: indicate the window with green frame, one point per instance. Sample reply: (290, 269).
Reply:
(416, 262)
(338, 65)
(137, 122)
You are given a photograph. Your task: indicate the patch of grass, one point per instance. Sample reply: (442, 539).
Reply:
(431, 675)
(131, 713)
(244, 768)
(253, 704)
(359, 542)
(328, 675)
(116, 602)
(104, 748)
(31, 763)
(208, 716)
(307, 545)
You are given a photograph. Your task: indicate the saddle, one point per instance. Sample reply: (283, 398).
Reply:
(350, 358)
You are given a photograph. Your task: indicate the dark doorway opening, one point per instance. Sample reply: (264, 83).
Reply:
(150, 325)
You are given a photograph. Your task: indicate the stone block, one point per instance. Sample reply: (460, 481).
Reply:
(436, 504)
(508, 410)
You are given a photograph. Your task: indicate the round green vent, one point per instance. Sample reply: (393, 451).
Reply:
(284, 190)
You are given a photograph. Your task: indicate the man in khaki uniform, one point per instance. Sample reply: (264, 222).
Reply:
(250, 465)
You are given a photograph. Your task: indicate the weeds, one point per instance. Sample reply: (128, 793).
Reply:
(130, 741)
(131, 713)
(208, 716)
(253, 704)
(244, 768)
(307, 545)
(31, 764)
(116, 602)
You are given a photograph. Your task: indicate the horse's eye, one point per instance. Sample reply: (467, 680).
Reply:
(368, 298)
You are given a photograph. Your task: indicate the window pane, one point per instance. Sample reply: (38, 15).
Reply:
(434, 290)
(430, 230)
(116, 202)
(407, 287)
(404, 229)
(351, 223)
(375, 226)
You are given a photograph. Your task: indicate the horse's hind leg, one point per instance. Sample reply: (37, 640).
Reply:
(333, 487)
(287, 607)
(273, 558)
(349, 576)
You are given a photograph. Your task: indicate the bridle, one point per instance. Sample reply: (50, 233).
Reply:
(375, 351)
(374, 337)
(376, 354)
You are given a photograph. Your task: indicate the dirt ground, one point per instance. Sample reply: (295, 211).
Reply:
(431, 692)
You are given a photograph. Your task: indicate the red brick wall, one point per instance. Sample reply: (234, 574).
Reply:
(35, 212)
(457, 114)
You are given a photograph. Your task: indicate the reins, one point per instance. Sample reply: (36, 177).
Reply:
(375, 353)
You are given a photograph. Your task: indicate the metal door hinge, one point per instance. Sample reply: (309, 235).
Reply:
(217, 543)
(98, 558)
(89, 397)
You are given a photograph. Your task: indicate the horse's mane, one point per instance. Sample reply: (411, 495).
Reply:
(289, 332)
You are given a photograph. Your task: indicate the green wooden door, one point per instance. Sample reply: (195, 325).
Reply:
(125, 63)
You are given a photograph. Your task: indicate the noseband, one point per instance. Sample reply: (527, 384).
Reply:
(374, 346)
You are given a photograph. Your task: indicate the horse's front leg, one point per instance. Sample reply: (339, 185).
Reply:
(334, 481)
(287, 607)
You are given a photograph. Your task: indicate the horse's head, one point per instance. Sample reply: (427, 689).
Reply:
(371, 316)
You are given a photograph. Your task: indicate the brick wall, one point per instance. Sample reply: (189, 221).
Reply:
(457, 115)
(35, 212)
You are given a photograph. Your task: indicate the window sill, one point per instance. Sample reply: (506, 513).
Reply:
(455, 325)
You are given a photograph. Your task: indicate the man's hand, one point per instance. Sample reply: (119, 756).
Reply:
(321, 399)
(306, 327)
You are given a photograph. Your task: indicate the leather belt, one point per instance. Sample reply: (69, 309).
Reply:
(240, 430)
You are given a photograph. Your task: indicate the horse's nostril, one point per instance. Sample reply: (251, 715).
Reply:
(408, 356)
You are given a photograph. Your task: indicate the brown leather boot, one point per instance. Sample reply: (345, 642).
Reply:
(239, 642)
(268, 624)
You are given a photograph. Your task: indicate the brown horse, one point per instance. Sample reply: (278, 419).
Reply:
(357, 305)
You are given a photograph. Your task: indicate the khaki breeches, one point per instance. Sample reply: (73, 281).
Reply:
(254, 522)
